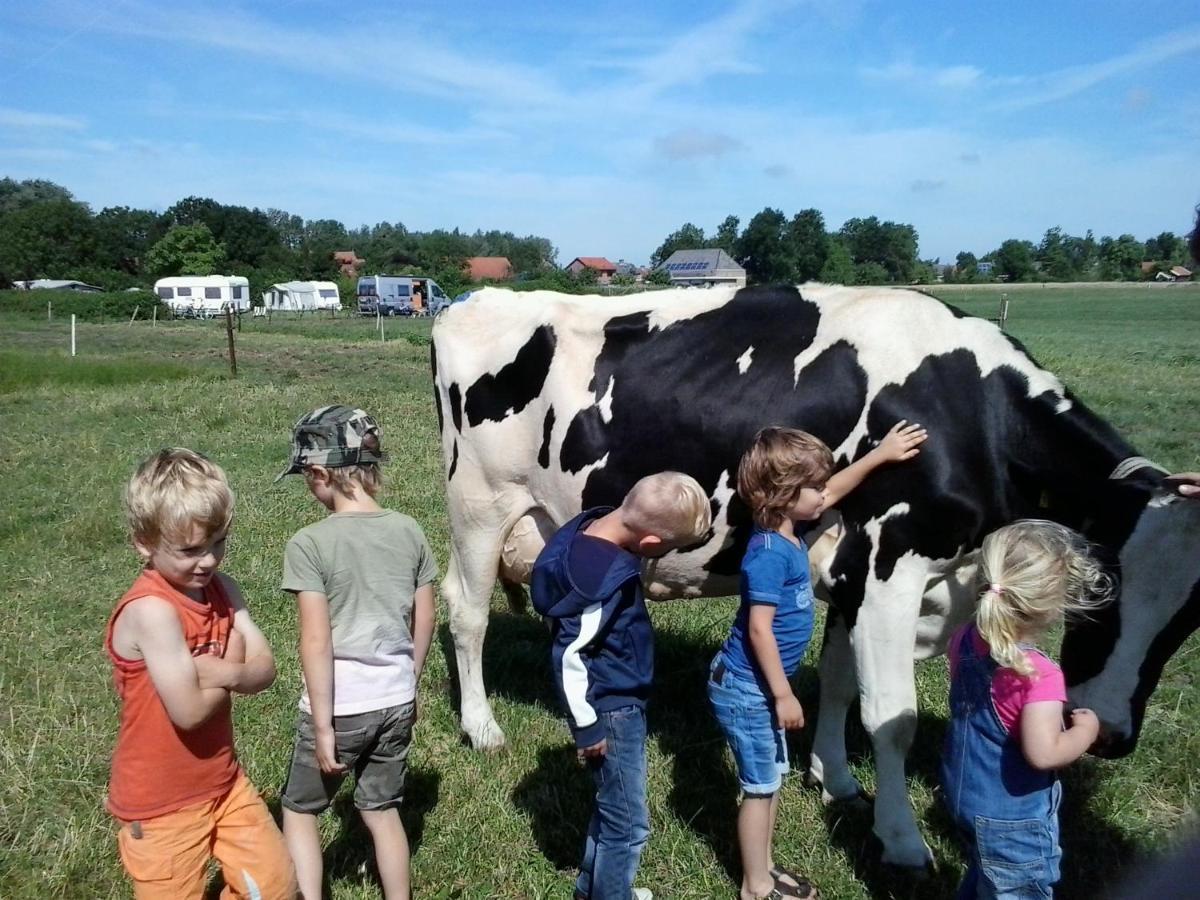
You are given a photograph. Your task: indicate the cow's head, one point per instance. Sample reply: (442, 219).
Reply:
(1113, 660)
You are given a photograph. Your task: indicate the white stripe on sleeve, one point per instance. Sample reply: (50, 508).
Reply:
(574, 674)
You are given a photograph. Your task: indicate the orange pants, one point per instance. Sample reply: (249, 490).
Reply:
(167, 856)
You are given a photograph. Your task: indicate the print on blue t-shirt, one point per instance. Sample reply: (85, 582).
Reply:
(775, 573)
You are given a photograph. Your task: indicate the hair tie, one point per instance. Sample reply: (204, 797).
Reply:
(996, 588)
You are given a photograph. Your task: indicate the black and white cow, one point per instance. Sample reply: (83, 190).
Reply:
(549, 404)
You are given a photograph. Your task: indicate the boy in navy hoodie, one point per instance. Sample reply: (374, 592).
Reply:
(587, 583)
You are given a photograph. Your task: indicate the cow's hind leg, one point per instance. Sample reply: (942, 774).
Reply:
(839, 689)
(883, 638)
(467, 589)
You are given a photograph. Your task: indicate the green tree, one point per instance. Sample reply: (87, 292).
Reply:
(839, 266)
(124, 237)
(870, 273)
(727, 235)
(186, 250)
(659, 276)
(966, 267)
(688, 237)
(17, 195)
(50, 239)
(809, 244)
(765, 251)
(1014, 259)
(1121, 259)
(1054, 255)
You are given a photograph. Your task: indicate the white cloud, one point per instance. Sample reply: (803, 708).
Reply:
(19, 118)
(956, 77)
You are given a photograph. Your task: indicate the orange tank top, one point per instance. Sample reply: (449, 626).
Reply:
(156, 767)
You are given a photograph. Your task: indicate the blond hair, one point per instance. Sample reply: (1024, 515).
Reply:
(778, 465)
(174, 491)
(1035, 572)
(669, 505)
(365, 475)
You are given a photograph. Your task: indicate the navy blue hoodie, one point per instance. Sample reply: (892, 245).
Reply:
(603, 643)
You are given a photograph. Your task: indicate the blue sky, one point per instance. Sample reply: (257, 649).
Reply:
(606, 126)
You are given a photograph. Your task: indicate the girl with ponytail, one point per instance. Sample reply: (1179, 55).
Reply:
(1006, 735)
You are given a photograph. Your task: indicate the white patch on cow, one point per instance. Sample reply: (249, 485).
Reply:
(743, 361)
(605, 404)
(574, 675)
(869, 320)
(673, 574)
(1160, 566)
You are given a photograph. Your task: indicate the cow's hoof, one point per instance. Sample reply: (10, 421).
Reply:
(485, 736)
(851, 792)
(915, 859)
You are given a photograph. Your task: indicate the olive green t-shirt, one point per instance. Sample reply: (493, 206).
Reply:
(368, 565)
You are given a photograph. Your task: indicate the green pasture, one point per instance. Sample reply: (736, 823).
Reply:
(508, 824)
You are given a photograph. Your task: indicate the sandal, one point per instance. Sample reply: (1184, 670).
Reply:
(803, 888)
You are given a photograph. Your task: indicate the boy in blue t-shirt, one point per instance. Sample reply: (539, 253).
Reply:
(587, 582)
(784, 478)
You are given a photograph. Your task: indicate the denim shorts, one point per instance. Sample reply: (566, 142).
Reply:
(373, 745)
(748, 720)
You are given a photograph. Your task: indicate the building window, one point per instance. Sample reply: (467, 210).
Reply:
(166, 293)
(328, 293)
(237, 292)
(183, 292)
(212, 293)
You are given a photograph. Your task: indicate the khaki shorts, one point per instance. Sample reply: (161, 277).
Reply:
(374, 745)
(167, 856)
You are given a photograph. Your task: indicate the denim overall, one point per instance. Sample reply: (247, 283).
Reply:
(1006, 810)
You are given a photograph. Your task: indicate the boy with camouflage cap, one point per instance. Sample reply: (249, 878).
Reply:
(363, 579)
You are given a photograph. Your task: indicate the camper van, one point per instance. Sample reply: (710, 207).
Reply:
(397, 295)
(204, 296)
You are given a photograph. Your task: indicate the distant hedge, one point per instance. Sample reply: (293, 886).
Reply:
(87, 307)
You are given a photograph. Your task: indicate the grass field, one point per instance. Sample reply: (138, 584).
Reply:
(509, 824)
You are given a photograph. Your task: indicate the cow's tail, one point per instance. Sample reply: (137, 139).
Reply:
(518, 597)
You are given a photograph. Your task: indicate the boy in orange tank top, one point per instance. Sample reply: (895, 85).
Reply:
(181, 641)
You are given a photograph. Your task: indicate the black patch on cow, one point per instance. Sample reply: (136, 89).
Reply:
(547, 429)
(495, 397)
(455, 405)
(437, 394)
(453, 461)
(679, 401)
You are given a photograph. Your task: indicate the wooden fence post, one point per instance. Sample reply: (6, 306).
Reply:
(154, 318)
(229, 334)
(135, 312)
(72, 334)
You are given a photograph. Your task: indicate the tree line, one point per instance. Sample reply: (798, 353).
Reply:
(46, 233)
(774, 248)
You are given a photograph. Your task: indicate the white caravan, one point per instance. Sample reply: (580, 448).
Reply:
(204, 296)
(302, 295)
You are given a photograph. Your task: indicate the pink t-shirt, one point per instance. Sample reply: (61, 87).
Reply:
(1011, 690)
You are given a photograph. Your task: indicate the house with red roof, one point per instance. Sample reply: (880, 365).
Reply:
(602, 267)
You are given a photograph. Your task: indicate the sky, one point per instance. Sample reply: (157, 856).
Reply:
(605, 126)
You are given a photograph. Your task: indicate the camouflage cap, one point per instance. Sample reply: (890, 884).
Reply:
(334, 436)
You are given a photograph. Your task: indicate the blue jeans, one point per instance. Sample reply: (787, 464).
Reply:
(1013, 859)
(748, 720)
(620, 823)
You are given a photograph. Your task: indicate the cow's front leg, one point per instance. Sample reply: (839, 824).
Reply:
(839, 688)
(467, 590)
(883, 638)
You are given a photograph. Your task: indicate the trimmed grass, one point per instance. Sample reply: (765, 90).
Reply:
(510, 824)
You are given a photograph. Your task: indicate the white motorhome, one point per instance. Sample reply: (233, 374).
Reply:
(397, 295)
(302, 295)
(204, 296)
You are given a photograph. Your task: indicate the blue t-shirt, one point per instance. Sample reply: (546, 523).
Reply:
(774, 573)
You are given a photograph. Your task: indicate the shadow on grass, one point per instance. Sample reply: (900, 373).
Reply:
(352, 853)
(557, 794)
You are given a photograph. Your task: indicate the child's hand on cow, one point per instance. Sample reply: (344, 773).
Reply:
(902, 441)
(326, 750)
(789, 712)
(595, 751)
